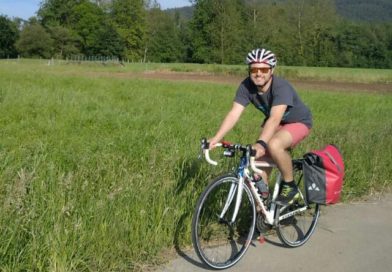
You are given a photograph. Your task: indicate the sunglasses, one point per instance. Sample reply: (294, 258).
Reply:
(264, 70)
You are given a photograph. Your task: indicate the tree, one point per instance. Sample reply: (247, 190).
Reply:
(320, 20)
(8, 36)
(163, 38)
(129, 19)
(201, 39)
(300, 32)
(88, 21)
(230, 40)
(65, 41)
(108, 42)
(57, 12)
(219, 31)
(363, 45)
(271, 29)
(34, 41)
(80, 26)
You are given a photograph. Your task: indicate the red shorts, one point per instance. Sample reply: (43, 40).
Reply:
(298, 132)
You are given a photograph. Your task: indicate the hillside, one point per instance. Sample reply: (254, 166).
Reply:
(356, 10)
(185, 13)
(364, 10)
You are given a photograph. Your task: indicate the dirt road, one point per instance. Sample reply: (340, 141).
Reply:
(235, 81)
(349, 237)
(299, 84)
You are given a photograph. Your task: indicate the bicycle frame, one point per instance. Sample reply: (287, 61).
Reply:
(231, 209)
(244, 174)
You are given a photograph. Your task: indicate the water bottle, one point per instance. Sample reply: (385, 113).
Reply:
(262, 187)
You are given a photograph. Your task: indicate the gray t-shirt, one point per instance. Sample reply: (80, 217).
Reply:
(279, 93)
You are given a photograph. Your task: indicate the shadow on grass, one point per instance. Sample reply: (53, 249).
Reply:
(190, 177)
(187, 171)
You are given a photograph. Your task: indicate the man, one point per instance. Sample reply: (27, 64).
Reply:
(287, 120)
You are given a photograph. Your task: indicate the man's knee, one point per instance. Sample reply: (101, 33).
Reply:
(282, 140)
(275, 145)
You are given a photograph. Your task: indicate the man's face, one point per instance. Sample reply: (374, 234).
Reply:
(260, 73)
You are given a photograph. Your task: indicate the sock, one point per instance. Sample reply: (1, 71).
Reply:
(291, 184)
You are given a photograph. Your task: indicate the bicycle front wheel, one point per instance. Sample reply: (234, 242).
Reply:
(299, 219)
(219, 242)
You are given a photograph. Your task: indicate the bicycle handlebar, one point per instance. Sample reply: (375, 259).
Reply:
(207, 155)
(250, 153)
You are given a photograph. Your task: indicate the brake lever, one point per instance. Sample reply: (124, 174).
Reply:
(200, 156)
(203, 146)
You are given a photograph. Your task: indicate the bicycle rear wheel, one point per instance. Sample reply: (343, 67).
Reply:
(218, 242)
(296, 229)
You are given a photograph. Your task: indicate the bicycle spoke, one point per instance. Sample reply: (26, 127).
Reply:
(298, 221)
(219, 242)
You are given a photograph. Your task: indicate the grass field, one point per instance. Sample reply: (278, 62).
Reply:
(101, 174)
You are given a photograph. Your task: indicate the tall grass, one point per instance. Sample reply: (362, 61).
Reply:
(101, 174)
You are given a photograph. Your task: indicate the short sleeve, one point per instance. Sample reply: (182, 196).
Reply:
(242, 95)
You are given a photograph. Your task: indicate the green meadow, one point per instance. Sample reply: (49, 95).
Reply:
(102, 173)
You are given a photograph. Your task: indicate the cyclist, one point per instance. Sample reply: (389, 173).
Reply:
(287, 119)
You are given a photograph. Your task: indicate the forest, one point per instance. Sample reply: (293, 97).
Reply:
(301, 32)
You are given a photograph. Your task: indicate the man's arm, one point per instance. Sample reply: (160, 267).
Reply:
(228, 123)
(272, 122)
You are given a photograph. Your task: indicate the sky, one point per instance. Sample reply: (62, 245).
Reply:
(26, 8)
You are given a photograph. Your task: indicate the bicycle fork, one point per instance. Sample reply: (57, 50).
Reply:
(235, 191)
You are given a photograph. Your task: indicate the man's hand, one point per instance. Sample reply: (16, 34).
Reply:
(260, 151)
(213, 142)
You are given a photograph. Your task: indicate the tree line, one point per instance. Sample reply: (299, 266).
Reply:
(300, 32)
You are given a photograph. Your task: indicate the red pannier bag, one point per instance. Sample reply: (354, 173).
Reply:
(323, 175)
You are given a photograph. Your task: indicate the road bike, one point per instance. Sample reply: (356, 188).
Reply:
(231, 208)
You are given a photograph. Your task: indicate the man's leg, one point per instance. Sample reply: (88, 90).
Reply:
(277, 148)
(287, 136)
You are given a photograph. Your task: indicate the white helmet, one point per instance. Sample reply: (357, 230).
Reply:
(261, 56)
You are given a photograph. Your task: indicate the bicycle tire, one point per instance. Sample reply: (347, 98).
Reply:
(218, 243)
(294, 231)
